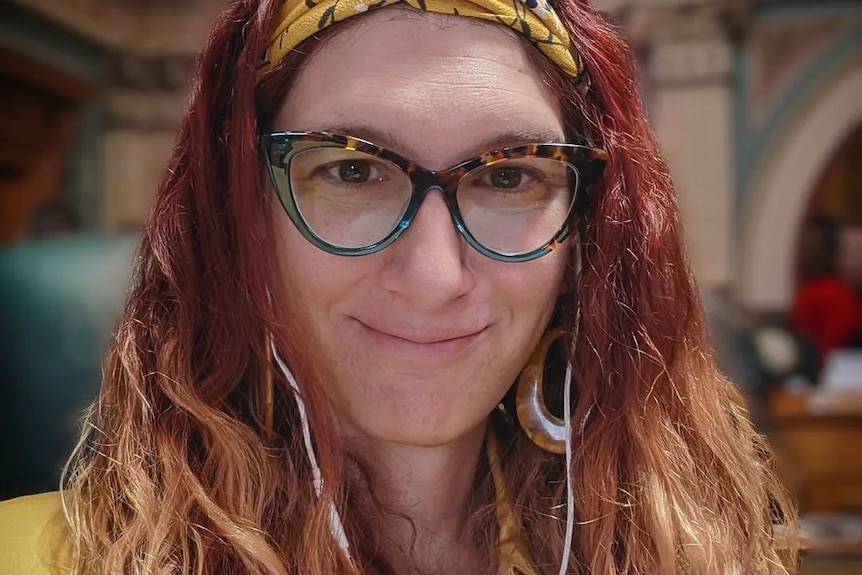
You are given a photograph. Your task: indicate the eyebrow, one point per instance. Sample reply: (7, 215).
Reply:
(396, 143)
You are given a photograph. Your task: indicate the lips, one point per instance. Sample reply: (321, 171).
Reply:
(425, 336)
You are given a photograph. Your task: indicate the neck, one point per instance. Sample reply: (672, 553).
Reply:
(425, 493)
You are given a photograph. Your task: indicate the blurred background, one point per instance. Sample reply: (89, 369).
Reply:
(757, 104)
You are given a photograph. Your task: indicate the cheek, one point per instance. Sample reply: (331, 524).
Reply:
(312, 278)
(534, 287)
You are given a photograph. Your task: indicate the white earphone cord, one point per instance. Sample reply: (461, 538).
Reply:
(336, 527)
(570, 497)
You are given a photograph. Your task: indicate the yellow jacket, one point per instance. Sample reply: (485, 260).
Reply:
(31, 535)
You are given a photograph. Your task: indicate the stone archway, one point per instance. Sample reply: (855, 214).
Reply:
(782, 188)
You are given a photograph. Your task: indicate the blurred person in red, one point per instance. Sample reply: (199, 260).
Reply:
(828, 307)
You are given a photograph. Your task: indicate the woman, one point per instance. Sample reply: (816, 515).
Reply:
(334, 356)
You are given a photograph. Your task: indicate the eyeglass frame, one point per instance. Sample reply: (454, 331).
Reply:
(279, 149)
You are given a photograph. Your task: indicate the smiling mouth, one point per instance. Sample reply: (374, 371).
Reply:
(440, 338)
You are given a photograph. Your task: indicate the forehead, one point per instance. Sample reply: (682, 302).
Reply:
(435, 87)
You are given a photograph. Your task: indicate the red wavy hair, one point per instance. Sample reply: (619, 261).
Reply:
(176, 473)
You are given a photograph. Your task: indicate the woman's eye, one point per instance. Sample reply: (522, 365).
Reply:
(506, 178)
(354, 172)
(510, 178)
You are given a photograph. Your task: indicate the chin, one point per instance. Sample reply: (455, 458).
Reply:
(429, 430)
(421, 408)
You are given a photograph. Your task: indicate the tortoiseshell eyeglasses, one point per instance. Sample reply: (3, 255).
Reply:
(351, 197)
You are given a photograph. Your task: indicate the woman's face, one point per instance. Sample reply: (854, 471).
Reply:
(421, 340)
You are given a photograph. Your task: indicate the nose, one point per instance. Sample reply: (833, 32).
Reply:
(427, 265)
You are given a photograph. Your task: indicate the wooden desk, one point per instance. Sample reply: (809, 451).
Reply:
(817, 438)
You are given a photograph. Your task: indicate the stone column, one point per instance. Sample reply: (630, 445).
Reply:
(689, 94)
(150, 82)
(143, 111)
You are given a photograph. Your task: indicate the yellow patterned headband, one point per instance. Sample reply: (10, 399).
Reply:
(535, 19)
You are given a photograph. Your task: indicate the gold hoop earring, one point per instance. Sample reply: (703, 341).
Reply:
(268, 387)
(542, 427)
